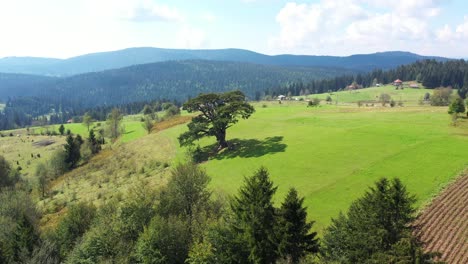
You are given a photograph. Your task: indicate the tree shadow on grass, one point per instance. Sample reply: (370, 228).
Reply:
(247, 148)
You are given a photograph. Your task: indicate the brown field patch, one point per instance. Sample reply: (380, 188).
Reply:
(178, 120)
(443, 225)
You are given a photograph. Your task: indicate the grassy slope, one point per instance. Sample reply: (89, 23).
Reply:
(332, 154)
(19, 149)
(408, 95)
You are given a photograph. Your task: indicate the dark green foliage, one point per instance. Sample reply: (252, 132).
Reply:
(294, 232)
(457, 106)
(61, 129)
(8, 176)
(172, 111)
(373, 226)
(164, 241)
(45, 253)
(147, 110)
(73, 225)
(254, 217)
(313, 102)
(463, 91)
(407, 250)
(18, 222)
(186, 195)
(218, 112)
(114, 232)
(93, 142)
(201, 253)
(72, 151)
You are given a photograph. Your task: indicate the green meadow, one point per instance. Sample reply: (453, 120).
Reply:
(332, 154)
(409, 96)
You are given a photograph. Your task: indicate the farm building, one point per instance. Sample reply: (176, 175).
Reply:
(397, 82)
(281, 97)
(353, 86)
(414, 85)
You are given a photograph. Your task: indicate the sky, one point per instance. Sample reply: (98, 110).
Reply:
(67, 28)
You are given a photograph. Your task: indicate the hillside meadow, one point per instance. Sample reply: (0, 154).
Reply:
(331, 154)
(409, 96)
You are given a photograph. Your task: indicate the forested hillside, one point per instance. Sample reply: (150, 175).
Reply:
(12, 84)
(133, 56)
(174, 80)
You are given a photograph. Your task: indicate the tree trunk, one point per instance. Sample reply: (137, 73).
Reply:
(221, 138)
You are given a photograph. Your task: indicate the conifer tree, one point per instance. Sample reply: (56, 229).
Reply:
(295, 238)
(254, 218)
(72, 150)
(376, 227)
(61, 129)
(93, 142)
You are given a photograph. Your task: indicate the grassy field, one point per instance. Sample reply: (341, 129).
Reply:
(24, 151)
(332, 154)
(409, 96)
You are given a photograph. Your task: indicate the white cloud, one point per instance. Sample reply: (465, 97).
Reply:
(462, 29)
(350, 25)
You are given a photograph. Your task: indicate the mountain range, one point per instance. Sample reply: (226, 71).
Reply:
(102, 61)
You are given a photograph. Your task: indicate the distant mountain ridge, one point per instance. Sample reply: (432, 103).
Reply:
(101, 61)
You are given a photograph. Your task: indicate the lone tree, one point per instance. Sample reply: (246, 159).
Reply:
(114, 126)
(61, 129)
(218, 113)
(87, 120)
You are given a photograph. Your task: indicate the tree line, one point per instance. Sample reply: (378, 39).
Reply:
(431, 73)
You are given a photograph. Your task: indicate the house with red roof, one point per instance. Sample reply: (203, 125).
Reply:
(397, 82)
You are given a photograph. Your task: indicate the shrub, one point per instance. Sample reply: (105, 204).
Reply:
(441, 96)
(314, 102)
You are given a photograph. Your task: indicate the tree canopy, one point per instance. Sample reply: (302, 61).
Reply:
(218, 112)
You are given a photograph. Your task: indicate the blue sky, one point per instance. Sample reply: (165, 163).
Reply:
(65, 28)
